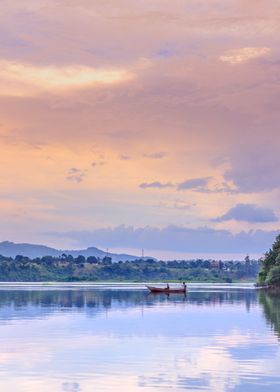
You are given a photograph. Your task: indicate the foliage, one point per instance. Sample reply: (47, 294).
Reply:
(273, 276)
(68, 268)
(270, 271)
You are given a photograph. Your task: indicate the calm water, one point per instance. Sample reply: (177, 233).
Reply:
(85, 339)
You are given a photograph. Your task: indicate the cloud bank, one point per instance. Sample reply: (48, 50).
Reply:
(174, 238)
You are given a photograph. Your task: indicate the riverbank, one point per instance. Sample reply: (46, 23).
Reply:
(22, 269)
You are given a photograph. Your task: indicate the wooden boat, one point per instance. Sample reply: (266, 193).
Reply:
(166, 290)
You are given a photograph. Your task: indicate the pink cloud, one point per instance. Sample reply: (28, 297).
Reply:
(195, 84)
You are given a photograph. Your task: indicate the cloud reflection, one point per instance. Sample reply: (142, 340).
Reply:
(84, 340)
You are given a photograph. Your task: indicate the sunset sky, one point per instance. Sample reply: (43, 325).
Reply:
(140, 124)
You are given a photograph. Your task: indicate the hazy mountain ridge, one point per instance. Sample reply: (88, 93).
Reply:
(11, 249)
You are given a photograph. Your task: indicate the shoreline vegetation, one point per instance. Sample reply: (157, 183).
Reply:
(269, 274)
(67, 268)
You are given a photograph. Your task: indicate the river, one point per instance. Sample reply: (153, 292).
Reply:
(86, 337)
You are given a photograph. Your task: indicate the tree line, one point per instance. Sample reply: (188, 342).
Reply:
(69, 268)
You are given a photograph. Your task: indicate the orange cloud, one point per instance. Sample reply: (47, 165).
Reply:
(22, 79)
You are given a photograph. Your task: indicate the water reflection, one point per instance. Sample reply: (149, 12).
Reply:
(271, 306)
(83, 340)
(44, 301)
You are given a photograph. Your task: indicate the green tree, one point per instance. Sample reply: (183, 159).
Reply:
(273, 276)
(269, 273)
(107, 260)
(92, 260)
(80, 259)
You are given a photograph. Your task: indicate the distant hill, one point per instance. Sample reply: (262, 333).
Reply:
(11, 249)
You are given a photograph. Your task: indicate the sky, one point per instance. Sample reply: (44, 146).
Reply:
(140, 124)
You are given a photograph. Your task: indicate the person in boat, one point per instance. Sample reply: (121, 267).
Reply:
(184, 286)
(167, 287)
